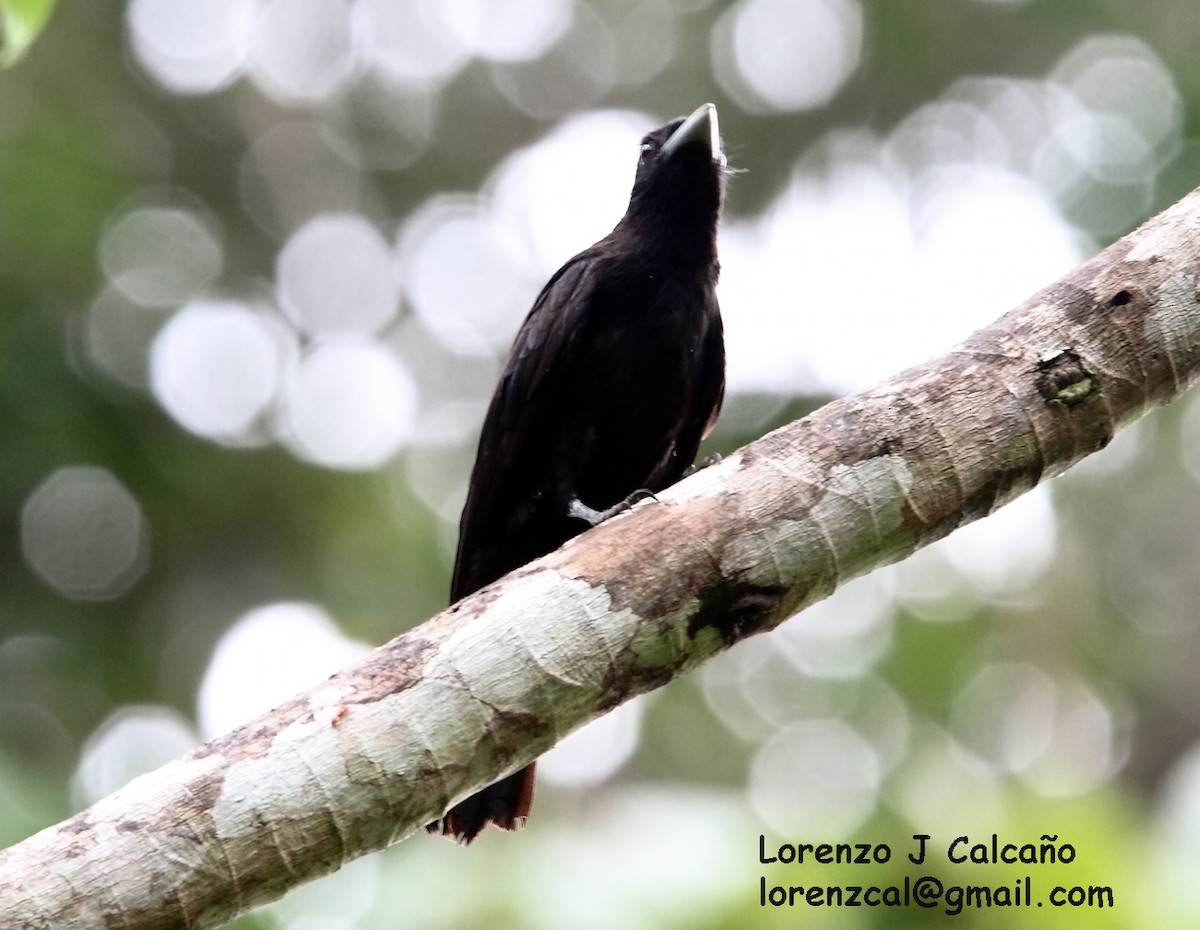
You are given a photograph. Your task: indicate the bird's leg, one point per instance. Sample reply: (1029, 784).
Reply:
(703, 463)
(581, 511)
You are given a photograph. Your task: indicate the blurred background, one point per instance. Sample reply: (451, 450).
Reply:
(260, 262)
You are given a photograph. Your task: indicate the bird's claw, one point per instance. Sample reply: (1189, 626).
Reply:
(581, 511)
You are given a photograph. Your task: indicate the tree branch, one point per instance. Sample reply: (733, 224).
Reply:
(373, 753)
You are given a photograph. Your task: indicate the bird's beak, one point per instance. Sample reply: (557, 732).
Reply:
(701, 126)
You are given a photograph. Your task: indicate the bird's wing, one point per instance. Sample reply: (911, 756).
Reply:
(698, 417)
(512, 438)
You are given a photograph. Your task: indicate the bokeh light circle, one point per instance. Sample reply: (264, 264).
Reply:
(335, 275)
(216, 366)
(160, 255)
(85, 533)
(787, 55)
(191, 48)
(351, 404)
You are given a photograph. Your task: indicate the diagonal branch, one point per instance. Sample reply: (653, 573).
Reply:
(381, 748)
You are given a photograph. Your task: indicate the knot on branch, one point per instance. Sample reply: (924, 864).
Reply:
(1063, 379)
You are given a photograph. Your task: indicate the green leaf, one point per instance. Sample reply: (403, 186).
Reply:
(20, 23)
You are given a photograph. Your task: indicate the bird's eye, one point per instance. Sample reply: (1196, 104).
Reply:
(646, 151)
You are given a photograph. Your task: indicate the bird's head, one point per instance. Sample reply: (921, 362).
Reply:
(680, 179)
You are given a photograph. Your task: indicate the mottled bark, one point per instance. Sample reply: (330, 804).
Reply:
(484, 687)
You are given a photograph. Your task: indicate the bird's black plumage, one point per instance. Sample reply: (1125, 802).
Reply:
(614, 378)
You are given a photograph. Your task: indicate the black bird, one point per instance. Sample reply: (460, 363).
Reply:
(614, 378)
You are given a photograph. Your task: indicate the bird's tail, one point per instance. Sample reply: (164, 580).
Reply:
(506, 804)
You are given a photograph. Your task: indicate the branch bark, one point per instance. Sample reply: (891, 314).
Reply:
(381, 748)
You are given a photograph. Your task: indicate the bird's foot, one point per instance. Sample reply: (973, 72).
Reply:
(703, 463)
(581, 511)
